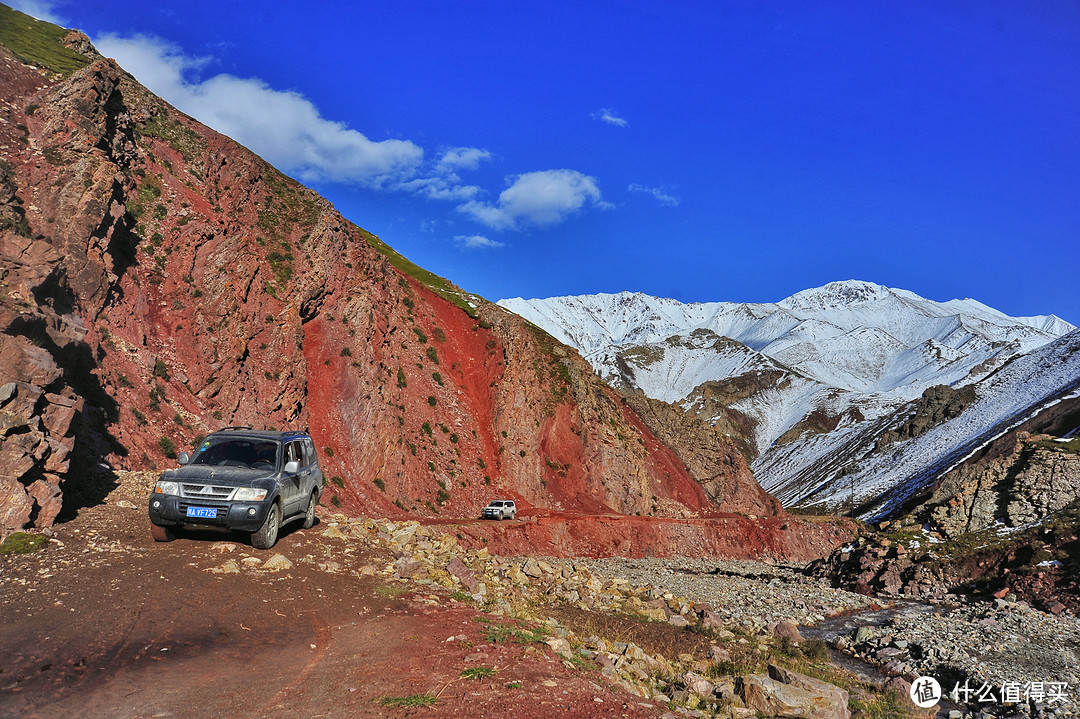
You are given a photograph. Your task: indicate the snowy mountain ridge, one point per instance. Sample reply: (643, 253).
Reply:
(823, 363)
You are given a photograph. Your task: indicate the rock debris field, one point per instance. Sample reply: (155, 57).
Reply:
(644, 637)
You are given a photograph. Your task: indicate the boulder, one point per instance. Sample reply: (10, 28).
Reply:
(49, 501)
(531, 568)
(784, 693)
(834, 695)
(463, 574)
(788, 630)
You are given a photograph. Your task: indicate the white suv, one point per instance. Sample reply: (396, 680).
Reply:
(500, 509)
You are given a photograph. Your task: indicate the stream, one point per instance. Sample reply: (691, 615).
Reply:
(844, 625)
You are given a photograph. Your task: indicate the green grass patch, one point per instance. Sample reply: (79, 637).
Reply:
(881, 706)
(413, 700)
(519, 634)
(175, 134)
(1071, 446)
(391, 591)
(478, 673)
(38, 43)
(22, 543)
(439, 285)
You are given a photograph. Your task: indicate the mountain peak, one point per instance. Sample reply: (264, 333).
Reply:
(834, 294)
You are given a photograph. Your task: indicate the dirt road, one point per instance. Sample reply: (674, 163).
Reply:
(103, 622)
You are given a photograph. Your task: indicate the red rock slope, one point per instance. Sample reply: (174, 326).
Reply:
(160, 281)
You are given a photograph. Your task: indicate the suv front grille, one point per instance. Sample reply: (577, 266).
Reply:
(206, 491)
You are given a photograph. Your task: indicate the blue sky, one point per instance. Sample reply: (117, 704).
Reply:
(735, 151)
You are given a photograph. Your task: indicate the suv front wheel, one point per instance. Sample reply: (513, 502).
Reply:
(267, 534)
(162, 534)
(309, 518)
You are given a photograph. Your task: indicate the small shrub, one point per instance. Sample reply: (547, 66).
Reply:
(432, 401)
(380, 484)
(420, 335)
(338, 481)
(413, 700)
(478, 673)
(22, 543)
(167, 447)
(140, 418)
(433, 354)
(437, 377)
(401, 378)
(335, 501)
(160, 370)
(440, 336)
(346, 352)
(426, 429)
(454, 438)
(123, 381)
(328, 451)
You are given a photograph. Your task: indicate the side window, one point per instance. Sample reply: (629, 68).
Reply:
(293, 454)
(309, 448)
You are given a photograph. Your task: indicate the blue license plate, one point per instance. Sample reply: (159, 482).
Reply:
(202, 512)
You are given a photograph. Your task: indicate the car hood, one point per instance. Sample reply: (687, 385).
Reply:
(224, 476)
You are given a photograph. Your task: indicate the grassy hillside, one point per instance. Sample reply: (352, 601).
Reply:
(38, 43)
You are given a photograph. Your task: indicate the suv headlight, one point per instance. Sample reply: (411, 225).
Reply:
(167, 488)
(250, 494)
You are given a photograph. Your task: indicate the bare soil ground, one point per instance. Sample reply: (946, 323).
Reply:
(103, 622)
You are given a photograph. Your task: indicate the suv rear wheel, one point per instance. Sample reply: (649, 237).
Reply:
(268, 532)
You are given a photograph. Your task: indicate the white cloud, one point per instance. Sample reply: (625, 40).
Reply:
(285, 128)
(40, 9)
(537, 198)
(440, 181)
(477, 242)
(659, 193)
(607, 115)
(463, 158)
(439, 188)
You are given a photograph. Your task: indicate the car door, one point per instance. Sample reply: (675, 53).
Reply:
(291, 481)
(313, 479)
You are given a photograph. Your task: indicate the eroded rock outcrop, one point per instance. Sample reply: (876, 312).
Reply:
(1035, 479)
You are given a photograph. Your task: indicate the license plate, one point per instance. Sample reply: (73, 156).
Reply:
(202, 512)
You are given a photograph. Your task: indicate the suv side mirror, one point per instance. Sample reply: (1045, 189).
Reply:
(183, 458)
(292, 467)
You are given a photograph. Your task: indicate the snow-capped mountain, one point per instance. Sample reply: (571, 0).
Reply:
(830, 360)
(805, 471)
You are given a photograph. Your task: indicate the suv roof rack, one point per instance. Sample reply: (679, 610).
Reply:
(237, 429)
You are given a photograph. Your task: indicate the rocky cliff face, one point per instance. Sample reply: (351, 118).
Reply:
(158, 281)
(1034, 480)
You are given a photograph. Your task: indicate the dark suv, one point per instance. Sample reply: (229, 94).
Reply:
(240, 479)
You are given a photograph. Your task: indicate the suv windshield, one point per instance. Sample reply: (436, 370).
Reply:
(253, 454)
